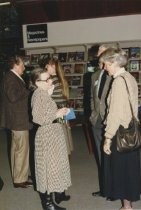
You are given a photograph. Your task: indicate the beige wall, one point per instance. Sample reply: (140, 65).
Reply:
(89, 31)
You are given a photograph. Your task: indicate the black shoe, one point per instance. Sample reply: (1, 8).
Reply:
(96, 194)
(23, 185)
(109, 199)
(59, 197)
(53, 206)
(47, 202)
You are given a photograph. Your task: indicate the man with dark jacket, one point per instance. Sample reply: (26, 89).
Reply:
(14, 116)
(101, 84)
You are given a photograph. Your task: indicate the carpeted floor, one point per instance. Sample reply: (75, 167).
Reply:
(84, 182)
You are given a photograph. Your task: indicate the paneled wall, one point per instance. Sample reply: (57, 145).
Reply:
(37, 11)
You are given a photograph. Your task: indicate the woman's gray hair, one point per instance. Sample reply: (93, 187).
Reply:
(114, 45)
(114, 55)
(104, 47)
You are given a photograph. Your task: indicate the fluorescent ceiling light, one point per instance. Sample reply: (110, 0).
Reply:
(5, 3)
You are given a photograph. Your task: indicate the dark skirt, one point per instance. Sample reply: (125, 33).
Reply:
(121, 174)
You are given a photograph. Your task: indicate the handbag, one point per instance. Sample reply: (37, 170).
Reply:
(129, 139)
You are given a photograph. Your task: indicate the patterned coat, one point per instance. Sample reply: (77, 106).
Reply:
(51, 159)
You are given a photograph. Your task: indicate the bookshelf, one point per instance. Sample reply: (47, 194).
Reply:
(74, 72)
(134, 66)
(74, 68)
(73, 60)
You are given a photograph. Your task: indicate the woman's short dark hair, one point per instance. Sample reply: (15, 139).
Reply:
(35, 75)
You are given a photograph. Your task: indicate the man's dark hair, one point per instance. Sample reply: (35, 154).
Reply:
(94, 50)
(92, 55)
(14, 60)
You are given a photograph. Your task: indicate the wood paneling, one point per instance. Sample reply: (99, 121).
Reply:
(35, 11)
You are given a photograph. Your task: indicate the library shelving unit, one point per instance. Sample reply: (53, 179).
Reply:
(134, 66)
(73, 60)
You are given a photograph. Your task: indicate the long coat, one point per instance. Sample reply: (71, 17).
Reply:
(14, 108)
(51, 159)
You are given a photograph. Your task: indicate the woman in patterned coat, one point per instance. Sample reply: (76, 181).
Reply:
(61, 96)
(52, 169)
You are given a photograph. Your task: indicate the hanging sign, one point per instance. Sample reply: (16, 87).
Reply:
(37, 33)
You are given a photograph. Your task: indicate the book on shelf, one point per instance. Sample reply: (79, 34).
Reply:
(139, 104)
(79, 68)
(68, 78)
(44, 56)
(71, 56)
(27, 60)
(134, 65)
(67, 68)
(77, 104)
(76, 81)
(135, 52)
(62, 57)
(135, 75)
(55, 56)
(35, 59)
(139, 77)
(80, 56)
(139, 90)
(76, 92)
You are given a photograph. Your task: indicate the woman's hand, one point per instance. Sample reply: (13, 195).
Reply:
(107, 146)
(62, 112)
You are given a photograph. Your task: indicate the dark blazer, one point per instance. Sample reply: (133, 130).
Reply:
(14, 108)
(98, 106)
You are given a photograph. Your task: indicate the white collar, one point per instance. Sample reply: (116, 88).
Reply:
(17, 74)
(120, 71)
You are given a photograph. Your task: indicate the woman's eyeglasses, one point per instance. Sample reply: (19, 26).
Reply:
(45, 80)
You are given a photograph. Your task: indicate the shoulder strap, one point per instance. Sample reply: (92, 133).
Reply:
(128, 96)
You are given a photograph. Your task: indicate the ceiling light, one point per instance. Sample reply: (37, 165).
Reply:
(5, 3)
